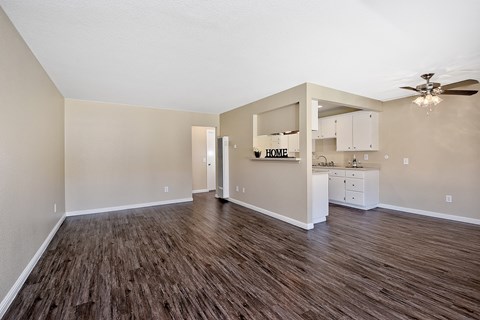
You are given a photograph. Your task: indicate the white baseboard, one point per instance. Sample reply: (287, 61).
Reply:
(12, 293)
(430, 213)
(306, 226)
(130, 206)
(318, 220)
(200, 190)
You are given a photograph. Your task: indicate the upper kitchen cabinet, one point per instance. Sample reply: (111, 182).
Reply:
(314, 106)
(357, 131)
(328, 127)
(293, 142)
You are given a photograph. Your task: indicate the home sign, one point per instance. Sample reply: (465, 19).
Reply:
(276, 153)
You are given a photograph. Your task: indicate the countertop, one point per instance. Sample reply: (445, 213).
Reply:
(319, 171)
(325, 169)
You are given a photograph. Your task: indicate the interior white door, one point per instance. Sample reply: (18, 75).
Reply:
(211, 160)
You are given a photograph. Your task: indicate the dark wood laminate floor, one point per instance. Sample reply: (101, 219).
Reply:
(214, 260)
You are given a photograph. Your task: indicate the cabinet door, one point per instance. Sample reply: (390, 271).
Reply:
(279, 142)
(352, 184)
(293, 142)
(317, 134)
(328, 127)
(344, 133)
(362, 131)
(355, 198)
(314, 115)
(336, 189)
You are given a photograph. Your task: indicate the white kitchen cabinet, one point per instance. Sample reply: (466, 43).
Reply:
(317, 134)
(354, 188)
(336, 189)
(319, 197)
(365, 130)
(293, 142)
(328, 127)
(357, 131)
(279, 141)
(345, 133)
(314, 106)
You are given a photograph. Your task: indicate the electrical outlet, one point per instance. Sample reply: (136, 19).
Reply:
(55, 208)
(365, 157)
(237, 188)
(405, 161)
(165, 189)
(243, 190)
(448, 198)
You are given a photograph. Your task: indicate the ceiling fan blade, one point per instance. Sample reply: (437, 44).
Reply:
(460, 84)
(409, 88)
(460, 92)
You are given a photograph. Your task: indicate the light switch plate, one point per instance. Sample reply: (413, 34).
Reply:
(405, 160)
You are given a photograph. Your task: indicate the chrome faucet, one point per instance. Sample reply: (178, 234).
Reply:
(326, 161)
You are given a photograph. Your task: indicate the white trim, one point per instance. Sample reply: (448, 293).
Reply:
(306, 226)
(200, 190)
(320, 219)
(130, 206)
(12, 293)
(431, 213)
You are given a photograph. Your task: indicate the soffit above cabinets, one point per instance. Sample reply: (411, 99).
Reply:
(329, 109)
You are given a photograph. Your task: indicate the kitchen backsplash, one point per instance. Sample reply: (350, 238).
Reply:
(328, 148)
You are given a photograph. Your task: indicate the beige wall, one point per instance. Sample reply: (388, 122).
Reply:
(117, 155)
(31, 155)
(279, 187)
(444, 153)
(199, 153)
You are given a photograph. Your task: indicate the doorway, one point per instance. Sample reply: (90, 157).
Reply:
(203, 159)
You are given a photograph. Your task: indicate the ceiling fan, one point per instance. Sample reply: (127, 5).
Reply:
(430, 91)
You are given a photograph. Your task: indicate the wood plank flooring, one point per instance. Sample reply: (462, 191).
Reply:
(215, 260)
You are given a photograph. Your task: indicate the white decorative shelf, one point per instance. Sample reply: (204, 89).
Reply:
(276, 159)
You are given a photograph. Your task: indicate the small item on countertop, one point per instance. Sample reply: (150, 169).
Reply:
(354, 162)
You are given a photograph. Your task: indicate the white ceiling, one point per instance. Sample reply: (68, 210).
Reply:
(212, 56)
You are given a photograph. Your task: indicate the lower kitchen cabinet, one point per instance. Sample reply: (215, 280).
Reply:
(336, 188)
(354, 188)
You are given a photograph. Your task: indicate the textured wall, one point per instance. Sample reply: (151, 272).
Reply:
(118, 155)
(31, 155)
(444, 153)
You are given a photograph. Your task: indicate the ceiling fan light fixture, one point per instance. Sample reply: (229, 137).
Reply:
(427, 101)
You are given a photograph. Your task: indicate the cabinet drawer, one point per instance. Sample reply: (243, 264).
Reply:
(336, 173)
(355, 174)
(354, 197)
(354, 184)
